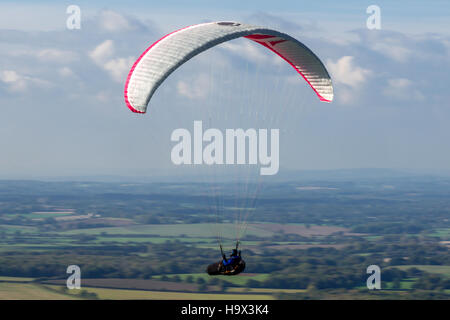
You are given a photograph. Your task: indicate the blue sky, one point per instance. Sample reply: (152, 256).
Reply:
(403, 15)
(63, 111)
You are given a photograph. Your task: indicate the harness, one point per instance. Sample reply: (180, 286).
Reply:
(230, 261)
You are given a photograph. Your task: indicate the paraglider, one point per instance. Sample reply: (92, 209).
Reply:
(168, 53)
(228, 267)
(164, 56)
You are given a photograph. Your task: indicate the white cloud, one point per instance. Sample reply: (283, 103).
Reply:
(392, 50)
(250, 51)
(402, 89)
(119, 67)
(345, 96)
(116, 67)
(392, 45)
(346, 72)
(102, 52)
(18, 82)
(56, 55)
(446, 43)
(103, 96)
(9, 76)
(65, 72)
(51, 55)
(113, 21)
(347, 78)
(400, 83)
(198, 88)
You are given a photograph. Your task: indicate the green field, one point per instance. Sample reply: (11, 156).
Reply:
(442, 233)
(206, 230)
(154, 240)
(403, 285)
(15, 279)
(124, 239)
(237, 280)
(122, 294)
(442, 270)
(265, 290)
(200, 235)
(13, 229)
(21, 289)
(29, 291)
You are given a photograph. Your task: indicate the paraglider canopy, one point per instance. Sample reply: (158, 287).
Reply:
(171, 51)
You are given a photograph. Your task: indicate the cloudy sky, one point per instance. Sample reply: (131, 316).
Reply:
(61, 90)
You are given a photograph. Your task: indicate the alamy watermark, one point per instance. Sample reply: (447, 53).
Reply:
(234, 150)
(374, 280)
(374, 20)
(74, 280)
(74, 20)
